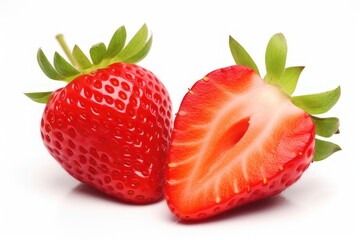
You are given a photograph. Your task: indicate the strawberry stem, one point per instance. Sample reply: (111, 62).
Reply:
(60, 38)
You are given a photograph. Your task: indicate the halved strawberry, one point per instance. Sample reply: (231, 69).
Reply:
(238, 138)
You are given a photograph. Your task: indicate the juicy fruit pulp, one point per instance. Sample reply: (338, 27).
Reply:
(111, 130)
(236, 139)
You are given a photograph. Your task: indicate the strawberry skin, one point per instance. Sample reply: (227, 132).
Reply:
(236, 139)
(110, 125)
(111, 130)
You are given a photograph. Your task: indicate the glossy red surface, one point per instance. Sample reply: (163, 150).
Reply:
(111, 130)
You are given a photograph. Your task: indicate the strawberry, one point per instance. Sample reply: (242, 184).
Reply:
(109, 127)
(238, 138)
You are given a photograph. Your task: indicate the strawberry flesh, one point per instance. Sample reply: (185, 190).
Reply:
(236, 139)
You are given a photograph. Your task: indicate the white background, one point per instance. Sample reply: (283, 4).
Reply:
(39, 200)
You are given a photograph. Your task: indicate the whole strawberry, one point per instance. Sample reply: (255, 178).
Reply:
(110, 125)
(238, 138)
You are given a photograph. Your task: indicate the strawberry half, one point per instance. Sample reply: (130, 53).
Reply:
(238, 138)
(110, 125)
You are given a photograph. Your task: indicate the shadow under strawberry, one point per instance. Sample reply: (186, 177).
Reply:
(86, 191)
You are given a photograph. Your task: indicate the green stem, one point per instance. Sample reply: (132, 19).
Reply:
(65, 48)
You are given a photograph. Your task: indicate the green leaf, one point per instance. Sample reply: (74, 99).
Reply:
(241, 56)
(324, 149)
(141, 54)
(135, 44)
(317, 103)
(39, 97)
(117, 42)
(289, 79)
(326, 127)
(63, 67)
(275, 58)
(46, 67)
(80, 58)
(97, 53)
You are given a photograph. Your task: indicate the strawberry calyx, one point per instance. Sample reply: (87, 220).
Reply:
(101, 56)
(286, 78)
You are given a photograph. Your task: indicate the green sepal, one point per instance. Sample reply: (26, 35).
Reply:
(317, 103)
(275, 58)
(134, 45)
(326, 127)
(80, 58)
(241, 56)
(324, 149)
(117, 42)
(39, 97)
(46, 66)
(101, 56)
(142, 53)
(97, 53)
(289, 79)
(63, 67)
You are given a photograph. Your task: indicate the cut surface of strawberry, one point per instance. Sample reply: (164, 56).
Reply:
(236, 139)
(237, 145)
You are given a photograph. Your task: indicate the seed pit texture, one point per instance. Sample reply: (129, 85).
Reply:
(109, 89)
(114, 82)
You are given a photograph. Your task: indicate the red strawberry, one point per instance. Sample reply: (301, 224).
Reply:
(110, 125)
(238, 138)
